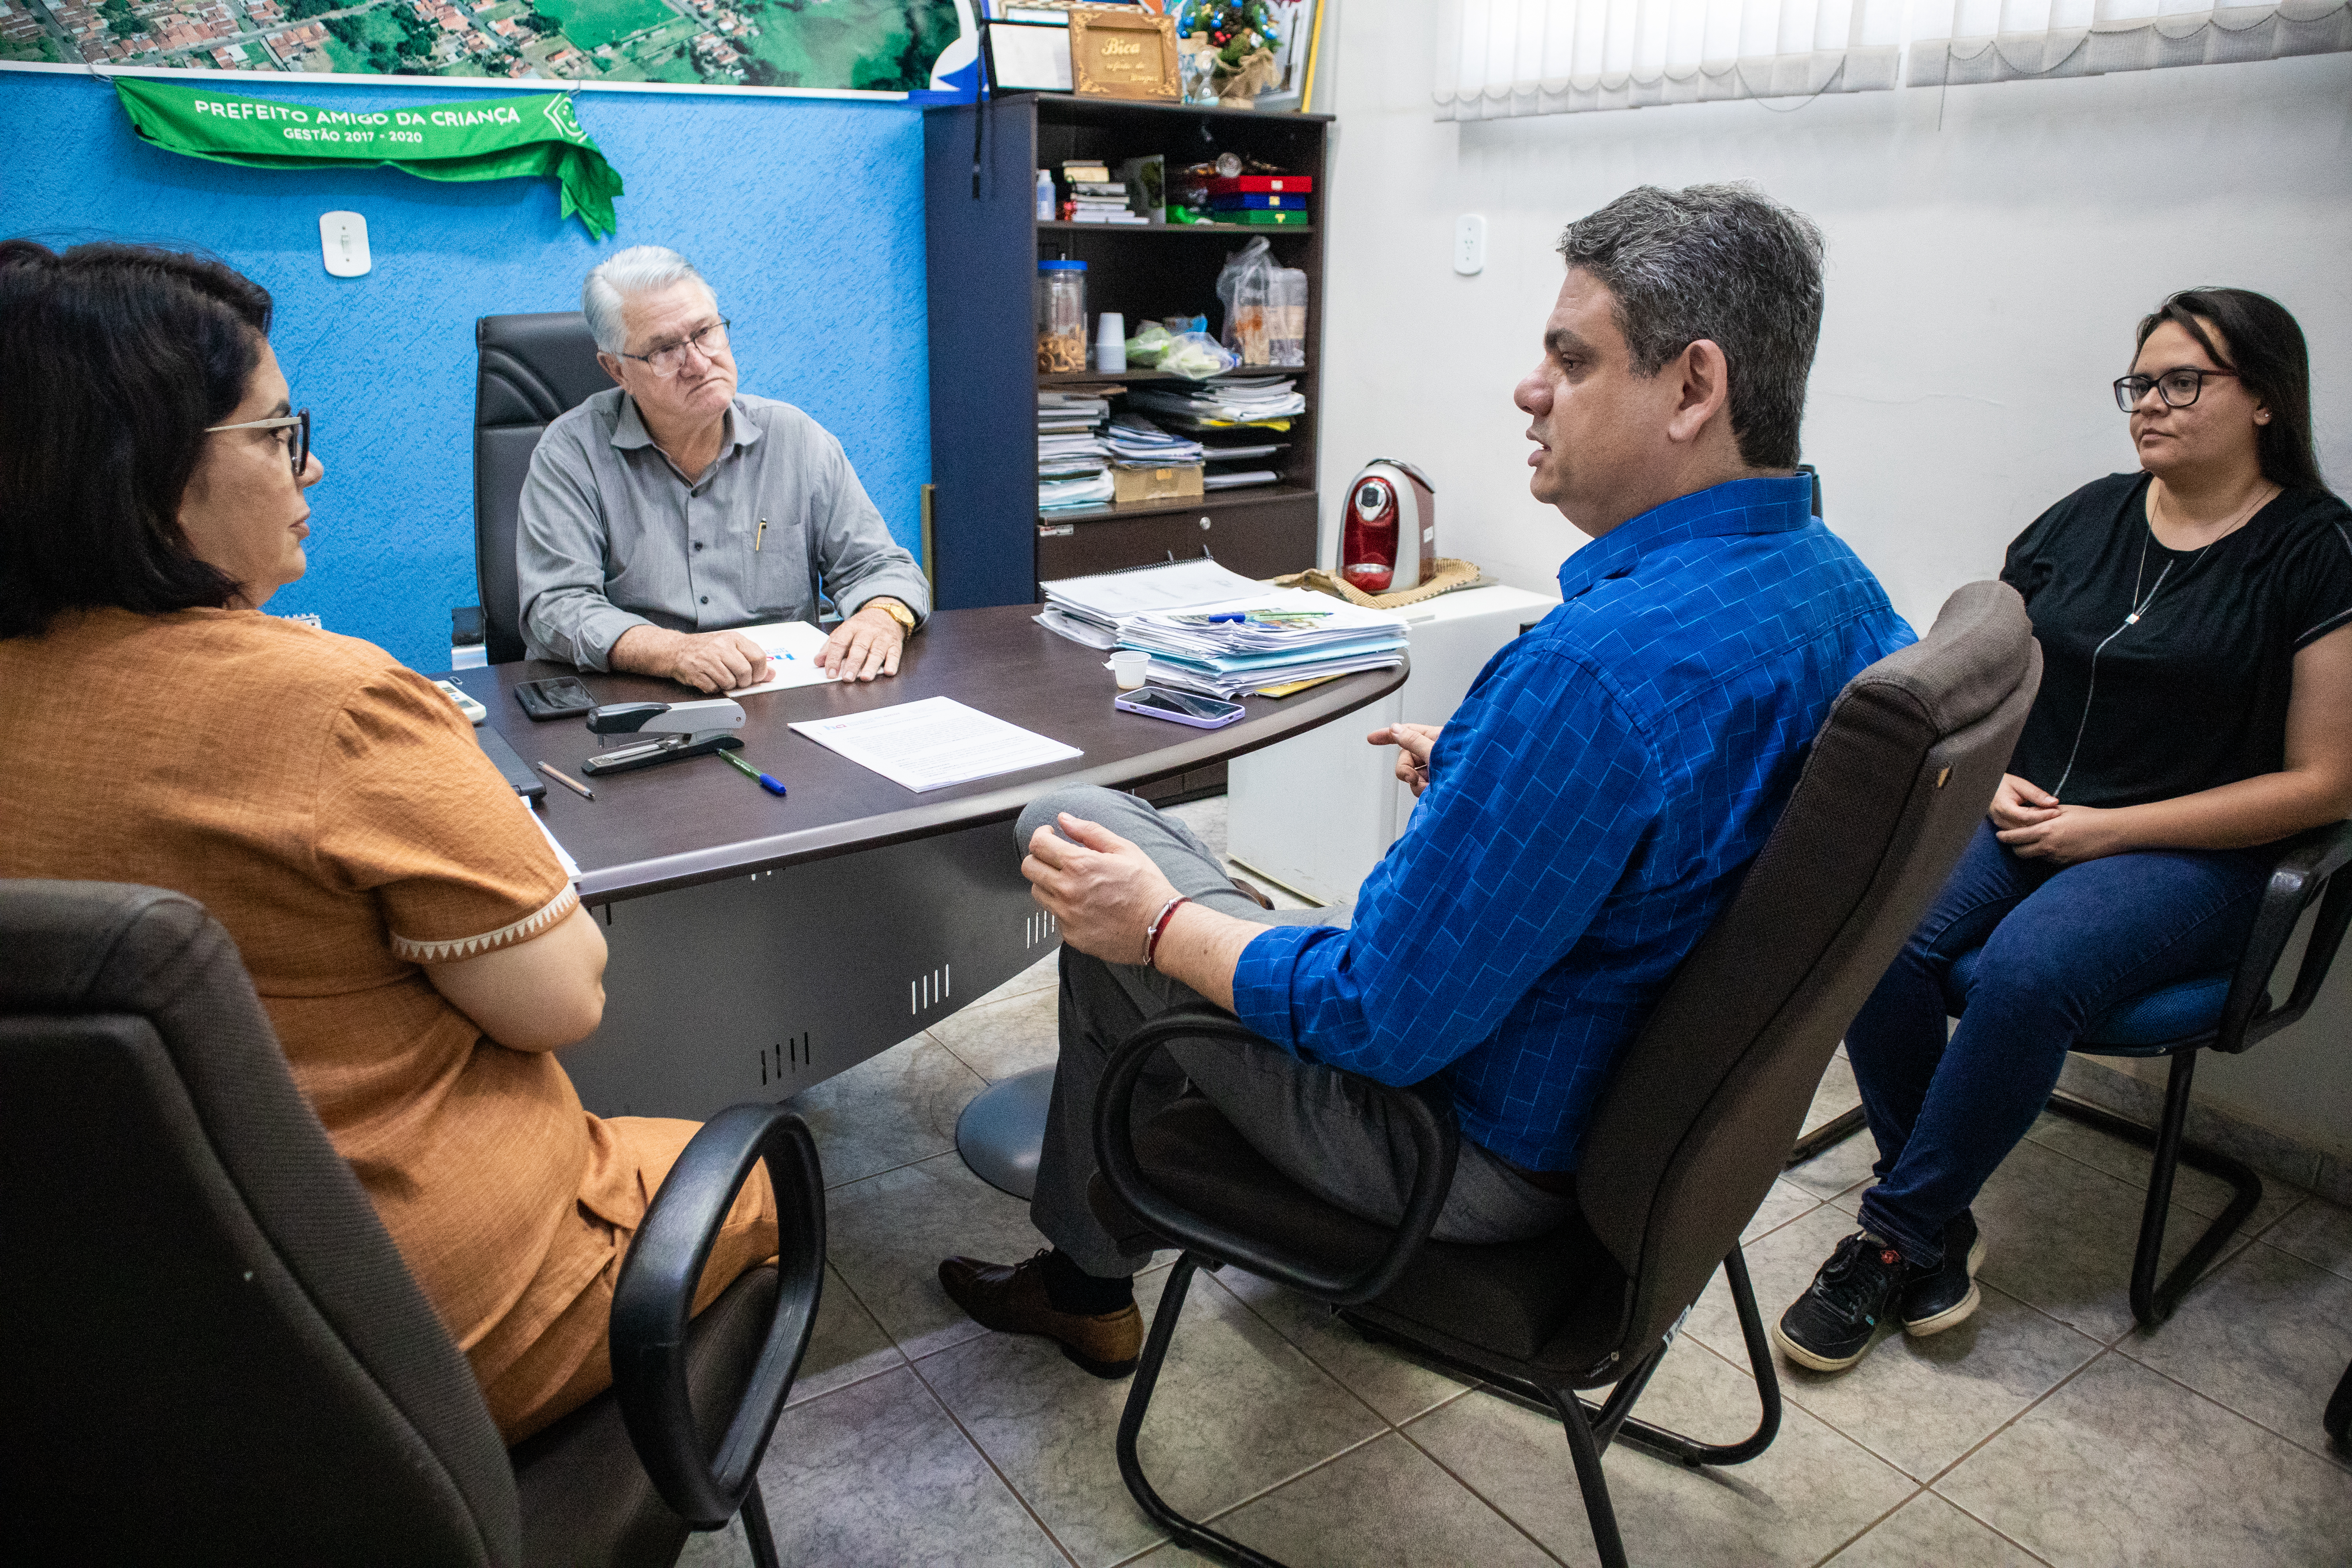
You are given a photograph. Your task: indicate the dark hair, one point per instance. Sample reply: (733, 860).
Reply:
(1722, 262)
(116, 357)
(2266, 350)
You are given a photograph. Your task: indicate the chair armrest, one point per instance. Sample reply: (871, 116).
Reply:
(654, 1298)
(1436, 1139)
(2306, 869)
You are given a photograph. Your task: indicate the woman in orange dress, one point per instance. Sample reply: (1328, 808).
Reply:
(418, 945)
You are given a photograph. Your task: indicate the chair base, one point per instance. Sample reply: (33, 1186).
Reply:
(1589, 1431)
(761, 1539)
(2151, 1301)
(2338, 1419)
(1828, 1135)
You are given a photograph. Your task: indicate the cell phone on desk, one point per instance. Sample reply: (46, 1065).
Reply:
(563, 697)
(1179, 707)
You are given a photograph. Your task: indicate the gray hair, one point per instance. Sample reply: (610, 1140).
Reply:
(1722, 262)
(639, 270)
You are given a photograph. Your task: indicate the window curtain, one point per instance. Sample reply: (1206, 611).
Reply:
(1960, 41)
(1500, 58)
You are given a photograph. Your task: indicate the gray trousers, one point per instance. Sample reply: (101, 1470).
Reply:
(1322, 1128)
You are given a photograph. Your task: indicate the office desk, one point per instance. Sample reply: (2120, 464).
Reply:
(759, 945)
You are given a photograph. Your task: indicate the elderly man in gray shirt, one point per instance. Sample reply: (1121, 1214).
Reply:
(661, 514)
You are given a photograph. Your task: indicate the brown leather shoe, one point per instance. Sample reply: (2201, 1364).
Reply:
(1011, 1300)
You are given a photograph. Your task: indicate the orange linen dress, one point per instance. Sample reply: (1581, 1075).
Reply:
(332, 811)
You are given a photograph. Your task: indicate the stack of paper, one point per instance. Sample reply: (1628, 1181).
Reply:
(1135, 442)
(1263, 402)
(1270, 637)
(1089, 610)
(1281, 635)
(1073, 461)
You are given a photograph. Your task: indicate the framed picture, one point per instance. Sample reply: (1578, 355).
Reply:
(1028, 57)
(1123, 54)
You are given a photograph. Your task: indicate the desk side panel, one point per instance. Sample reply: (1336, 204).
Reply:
(754, 988)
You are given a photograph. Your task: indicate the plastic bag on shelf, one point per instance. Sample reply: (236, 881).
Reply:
(1247, 289)
(1150, 344)
(1198, 356)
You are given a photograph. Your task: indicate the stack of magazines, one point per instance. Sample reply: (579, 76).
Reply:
(1211, 631)
(1258, 402)
(1073, 460)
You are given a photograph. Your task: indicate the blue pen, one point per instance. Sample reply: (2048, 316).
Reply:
(768, 782)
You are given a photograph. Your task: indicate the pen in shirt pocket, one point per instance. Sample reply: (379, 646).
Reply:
(760, 538)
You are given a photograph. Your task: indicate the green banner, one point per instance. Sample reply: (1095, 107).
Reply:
(492, 138)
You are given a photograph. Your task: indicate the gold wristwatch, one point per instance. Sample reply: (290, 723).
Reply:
(894, 609)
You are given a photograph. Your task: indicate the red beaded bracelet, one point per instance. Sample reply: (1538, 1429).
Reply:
(1151, 933)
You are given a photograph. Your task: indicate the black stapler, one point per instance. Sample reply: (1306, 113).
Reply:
(681, 730)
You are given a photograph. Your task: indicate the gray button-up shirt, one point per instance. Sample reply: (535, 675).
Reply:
(613, 536)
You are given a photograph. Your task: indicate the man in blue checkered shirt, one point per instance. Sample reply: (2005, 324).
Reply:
(1583, 817)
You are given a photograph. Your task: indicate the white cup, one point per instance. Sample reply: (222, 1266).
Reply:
(1130, 668)
(1110, 343)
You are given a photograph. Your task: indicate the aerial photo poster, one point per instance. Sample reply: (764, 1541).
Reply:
(923, 46)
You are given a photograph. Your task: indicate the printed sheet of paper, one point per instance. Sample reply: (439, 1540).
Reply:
(935, 742)
(792, 656)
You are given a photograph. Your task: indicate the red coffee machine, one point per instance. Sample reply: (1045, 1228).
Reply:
(1390, 539)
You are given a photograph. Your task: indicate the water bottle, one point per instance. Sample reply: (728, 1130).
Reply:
(1045, 197)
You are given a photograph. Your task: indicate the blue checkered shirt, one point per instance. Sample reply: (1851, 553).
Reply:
(1591, 808)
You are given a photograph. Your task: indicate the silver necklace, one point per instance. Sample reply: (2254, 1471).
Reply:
(2263, 496)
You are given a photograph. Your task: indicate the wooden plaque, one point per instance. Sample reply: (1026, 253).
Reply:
(1123, 54)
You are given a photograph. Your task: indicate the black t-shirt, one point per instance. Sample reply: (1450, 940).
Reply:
(2194, 694)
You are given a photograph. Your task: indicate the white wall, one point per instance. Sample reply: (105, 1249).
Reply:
(1990, 250)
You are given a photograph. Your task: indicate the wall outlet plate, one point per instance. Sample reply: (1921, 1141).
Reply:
(1469, 245)
(344, 241)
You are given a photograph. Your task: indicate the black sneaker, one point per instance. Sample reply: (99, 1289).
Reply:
(1949, 1295)
(1831, 1326)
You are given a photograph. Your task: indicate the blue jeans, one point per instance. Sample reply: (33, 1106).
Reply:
(2062, 947)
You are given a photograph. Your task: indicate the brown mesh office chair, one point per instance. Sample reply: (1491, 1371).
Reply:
(1691, 1131)
(213, 1353)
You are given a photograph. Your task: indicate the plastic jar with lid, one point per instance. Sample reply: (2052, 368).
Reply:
(1061, 308)
(1287, 317)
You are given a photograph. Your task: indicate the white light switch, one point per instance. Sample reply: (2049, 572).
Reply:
(343, 240)
(1469, 245)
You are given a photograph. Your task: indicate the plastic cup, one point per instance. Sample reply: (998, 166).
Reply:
(1110, 343)
(1130, 669)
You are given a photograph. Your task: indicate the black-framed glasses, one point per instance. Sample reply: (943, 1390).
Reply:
(298, 439)
(2179, 388)
(710, 342)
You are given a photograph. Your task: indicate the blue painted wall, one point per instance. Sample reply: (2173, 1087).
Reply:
(805, 216)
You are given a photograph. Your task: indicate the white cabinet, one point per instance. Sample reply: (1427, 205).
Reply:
(1316, 812)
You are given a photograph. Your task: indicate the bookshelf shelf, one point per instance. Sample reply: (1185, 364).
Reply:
(990, 545)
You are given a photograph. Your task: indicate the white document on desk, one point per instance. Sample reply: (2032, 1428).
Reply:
(792, 656)
(934, 742)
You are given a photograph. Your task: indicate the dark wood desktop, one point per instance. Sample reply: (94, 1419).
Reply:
(760, 944)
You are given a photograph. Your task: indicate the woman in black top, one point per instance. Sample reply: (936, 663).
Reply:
(2196, 704)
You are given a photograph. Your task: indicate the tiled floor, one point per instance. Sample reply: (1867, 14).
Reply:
(2044, 1430)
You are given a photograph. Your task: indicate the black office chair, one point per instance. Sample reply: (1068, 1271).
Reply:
(528, 370)
(214, 1354)
(2229, 1011)
(1688, 1137)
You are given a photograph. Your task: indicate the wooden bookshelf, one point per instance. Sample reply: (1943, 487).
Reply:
(991, 545)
